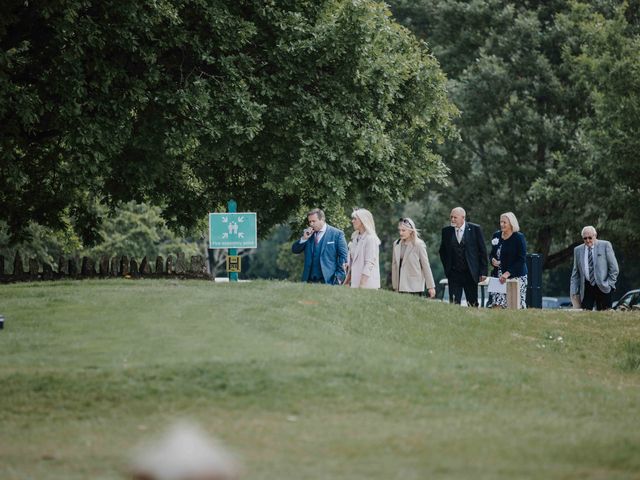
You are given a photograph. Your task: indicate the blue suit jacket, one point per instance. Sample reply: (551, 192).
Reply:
(333, 254)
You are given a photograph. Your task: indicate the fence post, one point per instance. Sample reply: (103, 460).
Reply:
(124, 266)
(133, 268)
(18, 269)
(145, 268)
(34, 269)
(47, 271)
(113, 270)
(171, 268)
(181, 264)
(159, 265)
(73, 268)
(104, 266)
(63, 266)
(513, 293)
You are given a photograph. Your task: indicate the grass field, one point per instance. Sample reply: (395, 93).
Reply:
(313, 382)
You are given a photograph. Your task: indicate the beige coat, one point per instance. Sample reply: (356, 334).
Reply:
(364, 259)
(415, 271)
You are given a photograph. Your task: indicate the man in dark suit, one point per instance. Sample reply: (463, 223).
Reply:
(325, 251)
(464, 257)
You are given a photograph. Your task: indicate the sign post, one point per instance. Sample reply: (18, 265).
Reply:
(230, 231)
(231, 208)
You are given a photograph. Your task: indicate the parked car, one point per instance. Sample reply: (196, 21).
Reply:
(629, 301)
(556, 302)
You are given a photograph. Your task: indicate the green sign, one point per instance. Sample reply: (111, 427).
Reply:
(233, 230)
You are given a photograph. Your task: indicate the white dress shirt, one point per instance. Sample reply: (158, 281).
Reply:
(460, 232)
(319, 234)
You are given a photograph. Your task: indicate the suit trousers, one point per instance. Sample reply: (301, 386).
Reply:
(459, 281)
(594, 296)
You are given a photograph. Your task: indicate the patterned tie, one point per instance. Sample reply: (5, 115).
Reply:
(317, 237)
(592, 279)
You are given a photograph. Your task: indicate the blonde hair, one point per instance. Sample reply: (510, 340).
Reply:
(369, 225)
(515, 226)
(410, 225)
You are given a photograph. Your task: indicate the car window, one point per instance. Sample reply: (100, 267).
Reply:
(627, 300)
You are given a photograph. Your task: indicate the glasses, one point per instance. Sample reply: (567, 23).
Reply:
(406, 221)
(587, 238)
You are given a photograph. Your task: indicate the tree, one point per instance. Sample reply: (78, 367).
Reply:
(44, 244)
(137, 230)
(604, 58)
(538, 129)
(132, 229)
(185, 104)
(263, 262)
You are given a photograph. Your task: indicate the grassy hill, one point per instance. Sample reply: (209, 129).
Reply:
(313, 382)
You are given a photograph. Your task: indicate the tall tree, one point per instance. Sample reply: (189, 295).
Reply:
(184, 104)
(533, 123)
(604, 58)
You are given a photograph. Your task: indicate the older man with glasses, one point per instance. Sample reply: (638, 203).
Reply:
(595, 271)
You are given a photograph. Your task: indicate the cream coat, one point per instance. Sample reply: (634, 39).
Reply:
(415, 271)
(364, 259)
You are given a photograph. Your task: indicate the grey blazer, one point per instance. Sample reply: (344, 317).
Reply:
(605, 268)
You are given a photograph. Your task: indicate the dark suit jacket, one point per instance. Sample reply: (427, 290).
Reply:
(333, 254)
(475, 250)
(513, 255)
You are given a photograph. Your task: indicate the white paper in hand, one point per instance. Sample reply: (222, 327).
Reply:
(495, 286)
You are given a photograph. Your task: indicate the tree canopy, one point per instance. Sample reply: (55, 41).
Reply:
(549, 96)
(184, 104)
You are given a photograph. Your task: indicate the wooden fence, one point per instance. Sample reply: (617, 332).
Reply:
(73, 268)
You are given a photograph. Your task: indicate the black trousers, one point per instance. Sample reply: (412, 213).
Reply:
(594, 296)
(459, 281)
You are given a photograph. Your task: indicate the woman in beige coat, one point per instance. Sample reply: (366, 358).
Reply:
(410, 269)
(364, 252)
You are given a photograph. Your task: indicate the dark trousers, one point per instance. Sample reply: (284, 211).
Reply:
(594, 296)
(459, 281)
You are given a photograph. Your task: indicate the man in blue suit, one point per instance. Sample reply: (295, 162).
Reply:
(325, 251)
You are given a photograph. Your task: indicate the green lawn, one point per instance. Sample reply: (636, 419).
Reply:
(313, 382)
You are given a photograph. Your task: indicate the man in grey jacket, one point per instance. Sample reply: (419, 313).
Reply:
(595, 271)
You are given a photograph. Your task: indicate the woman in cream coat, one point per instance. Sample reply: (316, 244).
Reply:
(364, 252)
(410, 269)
